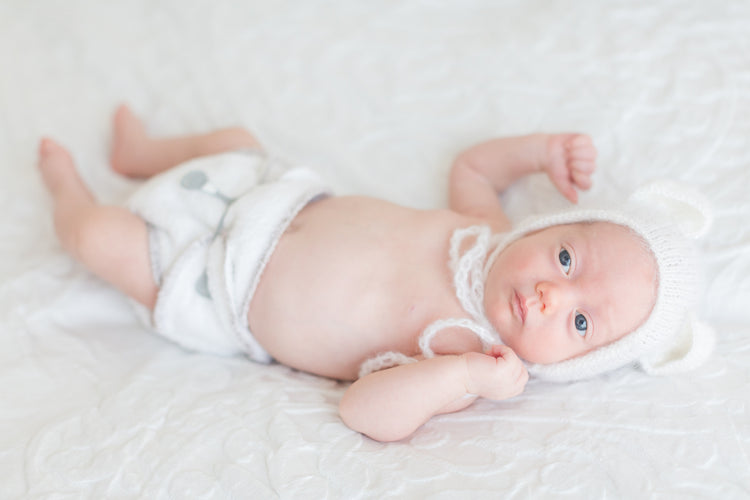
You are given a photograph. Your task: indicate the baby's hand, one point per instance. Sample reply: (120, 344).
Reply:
(498, 374)
(571, 159)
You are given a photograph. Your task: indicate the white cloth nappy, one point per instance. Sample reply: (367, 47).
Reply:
(213, 224)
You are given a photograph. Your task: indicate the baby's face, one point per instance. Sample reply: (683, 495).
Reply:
(566, 290)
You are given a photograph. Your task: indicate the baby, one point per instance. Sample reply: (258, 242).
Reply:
(229, 251)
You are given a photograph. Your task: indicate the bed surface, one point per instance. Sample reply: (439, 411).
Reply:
(377, 97)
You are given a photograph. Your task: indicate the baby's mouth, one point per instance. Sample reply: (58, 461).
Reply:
(519, 306)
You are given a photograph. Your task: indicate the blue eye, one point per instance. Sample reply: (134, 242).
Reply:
(581, 324)
(564, 258)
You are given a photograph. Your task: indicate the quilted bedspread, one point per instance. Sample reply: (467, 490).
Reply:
(378, 97)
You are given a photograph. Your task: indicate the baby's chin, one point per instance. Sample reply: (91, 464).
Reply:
(532, 354)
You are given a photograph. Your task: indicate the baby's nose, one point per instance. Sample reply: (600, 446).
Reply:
(550, 296)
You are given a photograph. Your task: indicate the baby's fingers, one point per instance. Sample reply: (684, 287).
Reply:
(518, 376)
(581, 146)
(581, 165)
(566, 186)
(508, 357)
(501, 351)
(582, 180)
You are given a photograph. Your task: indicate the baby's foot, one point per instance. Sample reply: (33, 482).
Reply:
(130, 144)
(59, 172)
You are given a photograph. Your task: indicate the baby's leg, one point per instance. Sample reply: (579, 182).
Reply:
(110, 241)
(135, 154)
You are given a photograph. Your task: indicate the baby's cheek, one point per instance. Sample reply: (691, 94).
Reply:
(527, 352)
(520, 346)
(539, 350)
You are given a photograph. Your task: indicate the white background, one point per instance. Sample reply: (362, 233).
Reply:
(378, 97)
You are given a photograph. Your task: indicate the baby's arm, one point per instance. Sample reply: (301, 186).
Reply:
(391, 404)
(482, 171)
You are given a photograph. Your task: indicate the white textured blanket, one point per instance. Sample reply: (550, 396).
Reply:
(377, 97)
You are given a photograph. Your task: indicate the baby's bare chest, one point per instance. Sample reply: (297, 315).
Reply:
(350, 278)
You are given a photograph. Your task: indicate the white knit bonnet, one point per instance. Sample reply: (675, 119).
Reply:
(668, 217)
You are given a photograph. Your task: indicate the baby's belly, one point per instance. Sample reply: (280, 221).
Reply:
(350, 278)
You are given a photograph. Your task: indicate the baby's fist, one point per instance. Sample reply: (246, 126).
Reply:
(498, 374)
(571, 159)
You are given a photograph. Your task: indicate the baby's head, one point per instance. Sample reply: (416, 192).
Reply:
(586, 291)
(565, 290)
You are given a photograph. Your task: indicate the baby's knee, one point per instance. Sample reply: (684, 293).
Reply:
(83, 236)
(93, 234)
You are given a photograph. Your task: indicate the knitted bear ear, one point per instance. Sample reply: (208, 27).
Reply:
(689, 209)
(689, 349)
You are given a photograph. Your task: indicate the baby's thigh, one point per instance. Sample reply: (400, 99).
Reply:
(112, 243)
